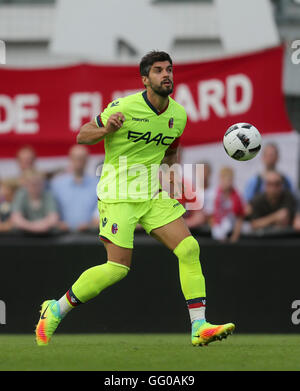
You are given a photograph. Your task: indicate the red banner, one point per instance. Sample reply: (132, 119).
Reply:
(46, 107)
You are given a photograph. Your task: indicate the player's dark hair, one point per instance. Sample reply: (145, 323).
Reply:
(150, 58)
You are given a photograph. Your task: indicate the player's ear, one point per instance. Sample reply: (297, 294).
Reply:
(145, 80)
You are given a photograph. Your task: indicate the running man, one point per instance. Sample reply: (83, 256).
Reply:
(140, 132)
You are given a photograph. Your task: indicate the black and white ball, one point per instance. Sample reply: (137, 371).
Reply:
(242, 141)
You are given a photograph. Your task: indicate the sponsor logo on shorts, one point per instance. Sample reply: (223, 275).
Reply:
(104, 222)
(114, 228)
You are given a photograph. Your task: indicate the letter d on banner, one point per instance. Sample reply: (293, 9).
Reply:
(2, 52)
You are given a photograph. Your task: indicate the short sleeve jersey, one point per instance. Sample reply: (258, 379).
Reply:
(134, 153)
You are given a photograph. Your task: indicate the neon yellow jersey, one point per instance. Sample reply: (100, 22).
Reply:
(134, 152)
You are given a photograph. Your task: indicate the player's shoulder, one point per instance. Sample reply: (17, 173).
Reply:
(126, 100)
(178, 108)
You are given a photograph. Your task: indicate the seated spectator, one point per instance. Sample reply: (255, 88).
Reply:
(202, 201)
(275, 207)
(228, 209)
(26, 159)
(194, 216)
(255, 185)
(181, 189)
(7, 191)
(75, 193)
(34, 209)
(296, 222)
(208, 201)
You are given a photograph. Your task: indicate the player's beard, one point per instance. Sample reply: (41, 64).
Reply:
(162, 90)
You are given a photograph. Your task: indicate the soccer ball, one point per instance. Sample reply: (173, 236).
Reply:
(242, 141)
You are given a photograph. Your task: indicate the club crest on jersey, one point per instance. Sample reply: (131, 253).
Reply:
(171, 122)
(114, 228)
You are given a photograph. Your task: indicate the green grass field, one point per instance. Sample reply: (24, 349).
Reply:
(150, 352)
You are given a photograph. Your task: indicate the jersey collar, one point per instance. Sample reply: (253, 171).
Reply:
(151, 106)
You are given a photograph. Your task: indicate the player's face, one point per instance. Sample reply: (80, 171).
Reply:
(160, 78)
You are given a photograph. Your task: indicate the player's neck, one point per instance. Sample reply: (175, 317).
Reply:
(158, 102)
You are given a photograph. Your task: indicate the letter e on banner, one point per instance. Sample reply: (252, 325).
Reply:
(26, 116)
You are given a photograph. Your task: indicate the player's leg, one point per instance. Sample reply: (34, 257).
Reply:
(177, 237)
(95, 279)
(164, 221)
(89, 285)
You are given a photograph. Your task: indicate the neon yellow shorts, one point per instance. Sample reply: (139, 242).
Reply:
(118, 220)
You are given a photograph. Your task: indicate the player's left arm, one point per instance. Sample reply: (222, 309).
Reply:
(171, 157)
(171, 154)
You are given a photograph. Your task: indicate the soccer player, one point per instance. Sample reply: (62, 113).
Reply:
(139, 131)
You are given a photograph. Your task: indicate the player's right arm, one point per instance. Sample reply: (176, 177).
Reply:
(91, 133)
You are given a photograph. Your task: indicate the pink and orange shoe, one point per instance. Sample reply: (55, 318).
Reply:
(204, 333)
(48, 322)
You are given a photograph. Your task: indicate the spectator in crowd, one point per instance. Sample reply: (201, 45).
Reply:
(34, 209)
(255, 185)
(296, 222)
(26, 159)
(202, 201)
(208, 202)
(194, 216)
(228, 210)
(7, 191)
(75, 193)
(275, 207)
(181, 189)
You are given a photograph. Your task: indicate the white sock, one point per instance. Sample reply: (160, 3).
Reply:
(64, 306)
(197, 313)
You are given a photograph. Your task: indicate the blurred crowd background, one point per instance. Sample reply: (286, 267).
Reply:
(57, 201)
(61, 201)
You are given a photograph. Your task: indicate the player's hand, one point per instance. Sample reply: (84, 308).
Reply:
(114, 122)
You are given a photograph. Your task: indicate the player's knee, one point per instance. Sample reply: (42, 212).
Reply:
(188, 249)
(118, 271)
(106, 275)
